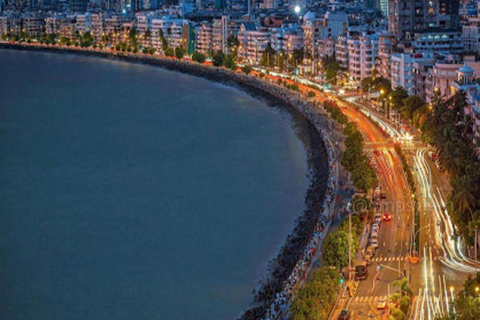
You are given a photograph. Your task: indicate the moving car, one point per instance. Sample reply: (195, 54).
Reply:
(387, 216)
(382, 303)
(374, 243)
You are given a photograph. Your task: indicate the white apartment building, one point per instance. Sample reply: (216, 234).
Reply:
(401, 71)
(11, 24)
(286, 40)
(315, 30)
(471, 33)
(325, 47)
(113, 26)
(385, 46)
(67, 28)
(144, 26)
(4, 25)
(341, 51)
(253, 42)
(83, 23)
(220, 34)
(441, 76)
(362, 52)
(52, 25)
(33, 26)
(171, 28)
(204, 38)
(97, 25)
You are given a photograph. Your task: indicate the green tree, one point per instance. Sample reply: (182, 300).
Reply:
(86, 39)
(218, 59)
(280, 60)
(335, 249)
(268, 57)
(233, 43)
(316, 298)
(161, 36)
(230, 63)
(297, 57)
(410, 105)
(367, 84)
(398, 95)
(179, 52)
(198, 57)
(169, 52)
(247, 69)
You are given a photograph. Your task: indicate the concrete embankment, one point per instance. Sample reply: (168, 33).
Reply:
(307, 123)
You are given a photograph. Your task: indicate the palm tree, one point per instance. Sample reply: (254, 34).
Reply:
(463, 199)
(402, 284)
(420, 115)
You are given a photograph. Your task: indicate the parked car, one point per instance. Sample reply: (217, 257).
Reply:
(383, 195)
(374, 243)
(371, 251)
(382, 303)
(344, 315)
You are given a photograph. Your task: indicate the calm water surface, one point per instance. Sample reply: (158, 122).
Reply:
(130, 192)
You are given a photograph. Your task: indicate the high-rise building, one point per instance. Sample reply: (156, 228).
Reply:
(407, 16)
(3, 5)
(220, 4)
(372, 4)
(136, 5)
(384, 7)
(78, 5)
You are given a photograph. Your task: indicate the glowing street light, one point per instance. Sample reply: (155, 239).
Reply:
(297, 9)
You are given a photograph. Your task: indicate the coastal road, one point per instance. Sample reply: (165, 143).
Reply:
(389, 263)
(436, 278)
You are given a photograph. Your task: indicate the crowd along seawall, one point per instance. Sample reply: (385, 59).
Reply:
(289, 266)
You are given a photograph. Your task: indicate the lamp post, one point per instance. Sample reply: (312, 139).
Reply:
(349, 249)
(389, 109)
(382, 92)
(415, 235)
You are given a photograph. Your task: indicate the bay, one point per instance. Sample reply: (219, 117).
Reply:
(131, 192)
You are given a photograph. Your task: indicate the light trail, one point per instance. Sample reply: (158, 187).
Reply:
(453, 253)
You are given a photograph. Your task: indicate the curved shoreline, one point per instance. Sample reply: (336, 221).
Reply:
(310, 222)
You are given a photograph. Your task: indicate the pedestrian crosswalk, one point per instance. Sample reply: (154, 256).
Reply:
(364, 299)
(387, 259)
(395, 259)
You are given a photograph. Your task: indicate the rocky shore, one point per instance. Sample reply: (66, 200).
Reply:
(308, 126)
